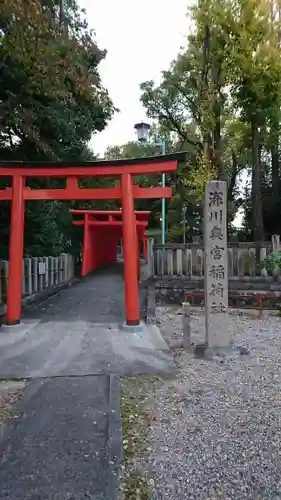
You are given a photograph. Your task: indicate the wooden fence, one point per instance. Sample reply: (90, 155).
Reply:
(39, 273)
(188, 260)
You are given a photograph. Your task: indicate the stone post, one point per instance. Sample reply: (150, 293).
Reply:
(215, 269)
(186, 325)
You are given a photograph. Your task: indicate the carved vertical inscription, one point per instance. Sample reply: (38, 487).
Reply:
(216, 276)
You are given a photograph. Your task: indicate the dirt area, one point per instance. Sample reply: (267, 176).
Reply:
(10, 393)
(214, 426)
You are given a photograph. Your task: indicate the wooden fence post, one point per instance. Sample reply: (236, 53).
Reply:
(150, 258)
(276, 248)
(28, 276)
(275, 242)
(34, 264)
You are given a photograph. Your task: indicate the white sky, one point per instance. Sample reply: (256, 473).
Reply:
(141, 37)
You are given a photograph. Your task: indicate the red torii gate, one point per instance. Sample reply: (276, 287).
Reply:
(102, 231)
(72, 171)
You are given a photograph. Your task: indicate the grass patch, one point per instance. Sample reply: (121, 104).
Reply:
(136, 488)
(137, 415)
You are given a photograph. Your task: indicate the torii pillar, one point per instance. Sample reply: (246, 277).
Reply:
(130, 249)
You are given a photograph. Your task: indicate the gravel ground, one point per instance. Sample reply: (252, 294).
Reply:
(217, 430)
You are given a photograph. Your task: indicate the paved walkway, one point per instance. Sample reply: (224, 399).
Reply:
(66, 443)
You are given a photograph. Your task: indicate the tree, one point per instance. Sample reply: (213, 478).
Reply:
(225, 85)
(192, 97)
(51, 93)
(51, 101)
(257, 86)
(179, 200)
(136, 149)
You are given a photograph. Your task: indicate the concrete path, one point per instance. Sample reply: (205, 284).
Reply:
(67, 442)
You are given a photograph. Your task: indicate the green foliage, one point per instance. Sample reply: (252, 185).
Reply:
(51, 102)
(198, 177)
(271, 262)
(51, 95)
(181, 191)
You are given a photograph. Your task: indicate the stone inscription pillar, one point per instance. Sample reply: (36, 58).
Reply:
(215, 269)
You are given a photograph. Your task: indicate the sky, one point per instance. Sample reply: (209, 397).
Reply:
(142, 37)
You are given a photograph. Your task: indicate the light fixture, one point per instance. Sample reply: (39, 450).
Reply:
(142, 131)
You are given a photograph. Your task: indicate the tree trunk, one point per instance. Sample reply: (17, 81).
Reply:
(61, 13)
(216, 113)
(217, 142)
(257, 211)
(275, 174)
(211, 87)
(233, 176)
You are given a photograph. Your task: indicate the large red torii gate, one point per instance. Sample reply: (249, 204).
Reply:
(102, 231)
(72, 172)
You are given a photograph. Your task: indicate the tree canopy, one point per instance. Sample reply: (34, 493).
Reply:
(51, 102)
(52, 98)
(221, 97)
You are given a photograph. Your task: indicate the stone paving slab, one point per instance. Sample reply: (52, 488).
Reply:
(66, 443)
(79, 348)
(76, 332)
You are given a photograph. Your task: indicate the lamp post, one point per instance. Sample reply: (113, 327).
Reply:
(142, 129)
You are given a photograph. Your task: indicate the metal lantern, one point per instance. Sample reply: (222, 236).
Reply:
(142, 131)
